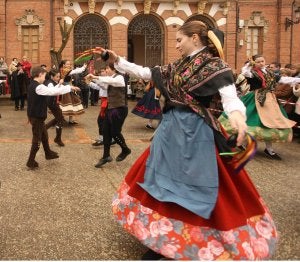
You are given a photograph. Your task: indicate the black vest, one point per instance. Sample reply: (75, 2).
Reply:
(116, 96)
(36, 104)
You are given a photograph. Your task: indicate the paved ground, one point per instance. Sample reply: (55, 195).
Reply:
(62, 211)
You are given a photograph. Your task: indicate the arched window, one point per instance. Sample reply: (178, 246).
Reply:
(145, 40)
(90, 31)
(203, 18)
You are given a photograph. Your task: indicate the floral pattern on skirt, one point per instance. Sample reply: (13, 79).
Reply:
(182, 241)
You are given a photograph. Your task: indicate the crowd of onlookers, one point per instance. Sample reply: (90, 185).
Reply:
(14, 79)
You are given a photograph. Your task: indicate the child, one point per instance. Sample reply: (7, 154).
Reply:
(37, 112)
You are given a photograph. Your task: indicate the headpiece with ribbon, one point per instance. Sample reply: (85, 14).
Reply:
(217, 37)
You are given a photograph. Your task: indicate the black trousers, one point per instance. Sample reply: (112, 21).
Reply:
(39, 131)
(84, 95)
(100, 121)
(58, 119)
(20, 101)
(112, 127)
(94, 96)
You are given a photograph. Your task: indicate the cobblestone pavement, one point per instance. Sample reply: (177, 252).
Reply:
(62, 211)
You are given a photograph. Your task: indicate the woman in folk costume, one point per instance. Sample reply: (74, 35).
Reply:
(148, 106)
(266, 119)
(181, 198)
(70, 103)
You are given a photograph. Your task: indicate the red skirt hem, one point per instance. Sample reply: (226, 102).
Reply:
(238, 200)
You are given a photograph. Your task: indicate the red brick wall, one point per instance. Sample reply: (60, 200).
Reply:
(11, 44)
(279, 44)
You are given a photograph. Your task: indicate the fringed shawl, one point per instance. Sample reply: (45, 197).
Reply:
(268, 83)
(188, 80)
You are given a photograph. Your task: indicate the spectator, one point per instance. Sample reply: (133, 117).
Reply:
(18, 87)
(26, 65)
(275, 67)
(3, 76)
(13, 65)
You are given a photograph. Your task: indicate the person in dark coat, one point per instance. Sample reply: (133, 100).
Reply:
(18, 87)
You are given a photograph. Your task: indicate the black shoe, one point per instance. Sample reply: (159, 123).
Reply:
(123, 155)
(16, 108)
(150, 127)
(103, 161)
(51, 155)
(151, 255)
(98, 143)
(272, 155)
(113, 142)
(32, 164)
(59, 142)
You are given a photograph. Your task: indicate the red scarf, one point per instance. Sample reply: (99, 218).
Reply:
(261, 75)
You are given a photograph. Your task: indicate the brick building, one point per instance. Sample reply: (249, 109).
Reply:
(144, 31)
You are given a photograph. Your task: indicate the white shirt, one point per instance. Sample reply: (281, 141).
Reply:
(78, 70)
(105, 81)
(102, 90)
(52, 90)
(229, 98)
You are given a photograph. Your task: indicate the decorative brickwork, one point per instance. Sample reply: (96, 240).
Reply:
(233, 17)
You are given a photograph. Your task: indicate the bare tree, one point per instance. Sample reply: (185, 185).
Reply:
(65, 31)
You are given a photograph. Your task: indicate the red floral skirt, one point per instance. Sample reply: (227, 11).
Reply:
(240, 226)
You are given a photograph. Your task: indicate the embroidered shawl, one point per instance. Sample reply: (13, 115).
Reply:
(189, 79)
(268, 83)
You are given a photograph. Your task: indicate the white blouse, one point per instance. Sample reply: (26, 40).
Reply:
(229, 98)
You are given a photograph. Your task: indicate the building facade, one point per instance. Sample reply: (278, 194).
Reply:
(144, 31)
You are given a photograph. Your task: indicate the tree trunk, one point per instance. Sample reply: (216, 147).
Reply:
(65, 31)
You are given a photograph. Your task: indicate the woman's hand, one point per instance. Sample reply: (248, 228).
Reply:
(113, 57)
(75, 89)
(238, 124)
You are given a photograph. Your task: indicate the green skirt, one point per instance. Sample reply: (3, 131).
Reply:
(255, 126)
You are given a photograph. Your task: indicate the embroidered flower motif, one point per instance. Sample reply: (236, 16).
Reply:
(168, 250)
(187, 72)
(196, 234)
(188, 98)
(161, 227)
(264, 229)
(205, 254)
(165, 226)
(146, 210)
(260, 247)
(126, 200)
(130, 218)
(228, 237)
(154, 230)
(248, 250)
(140, 231)
(216, 247)
(197, 61)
